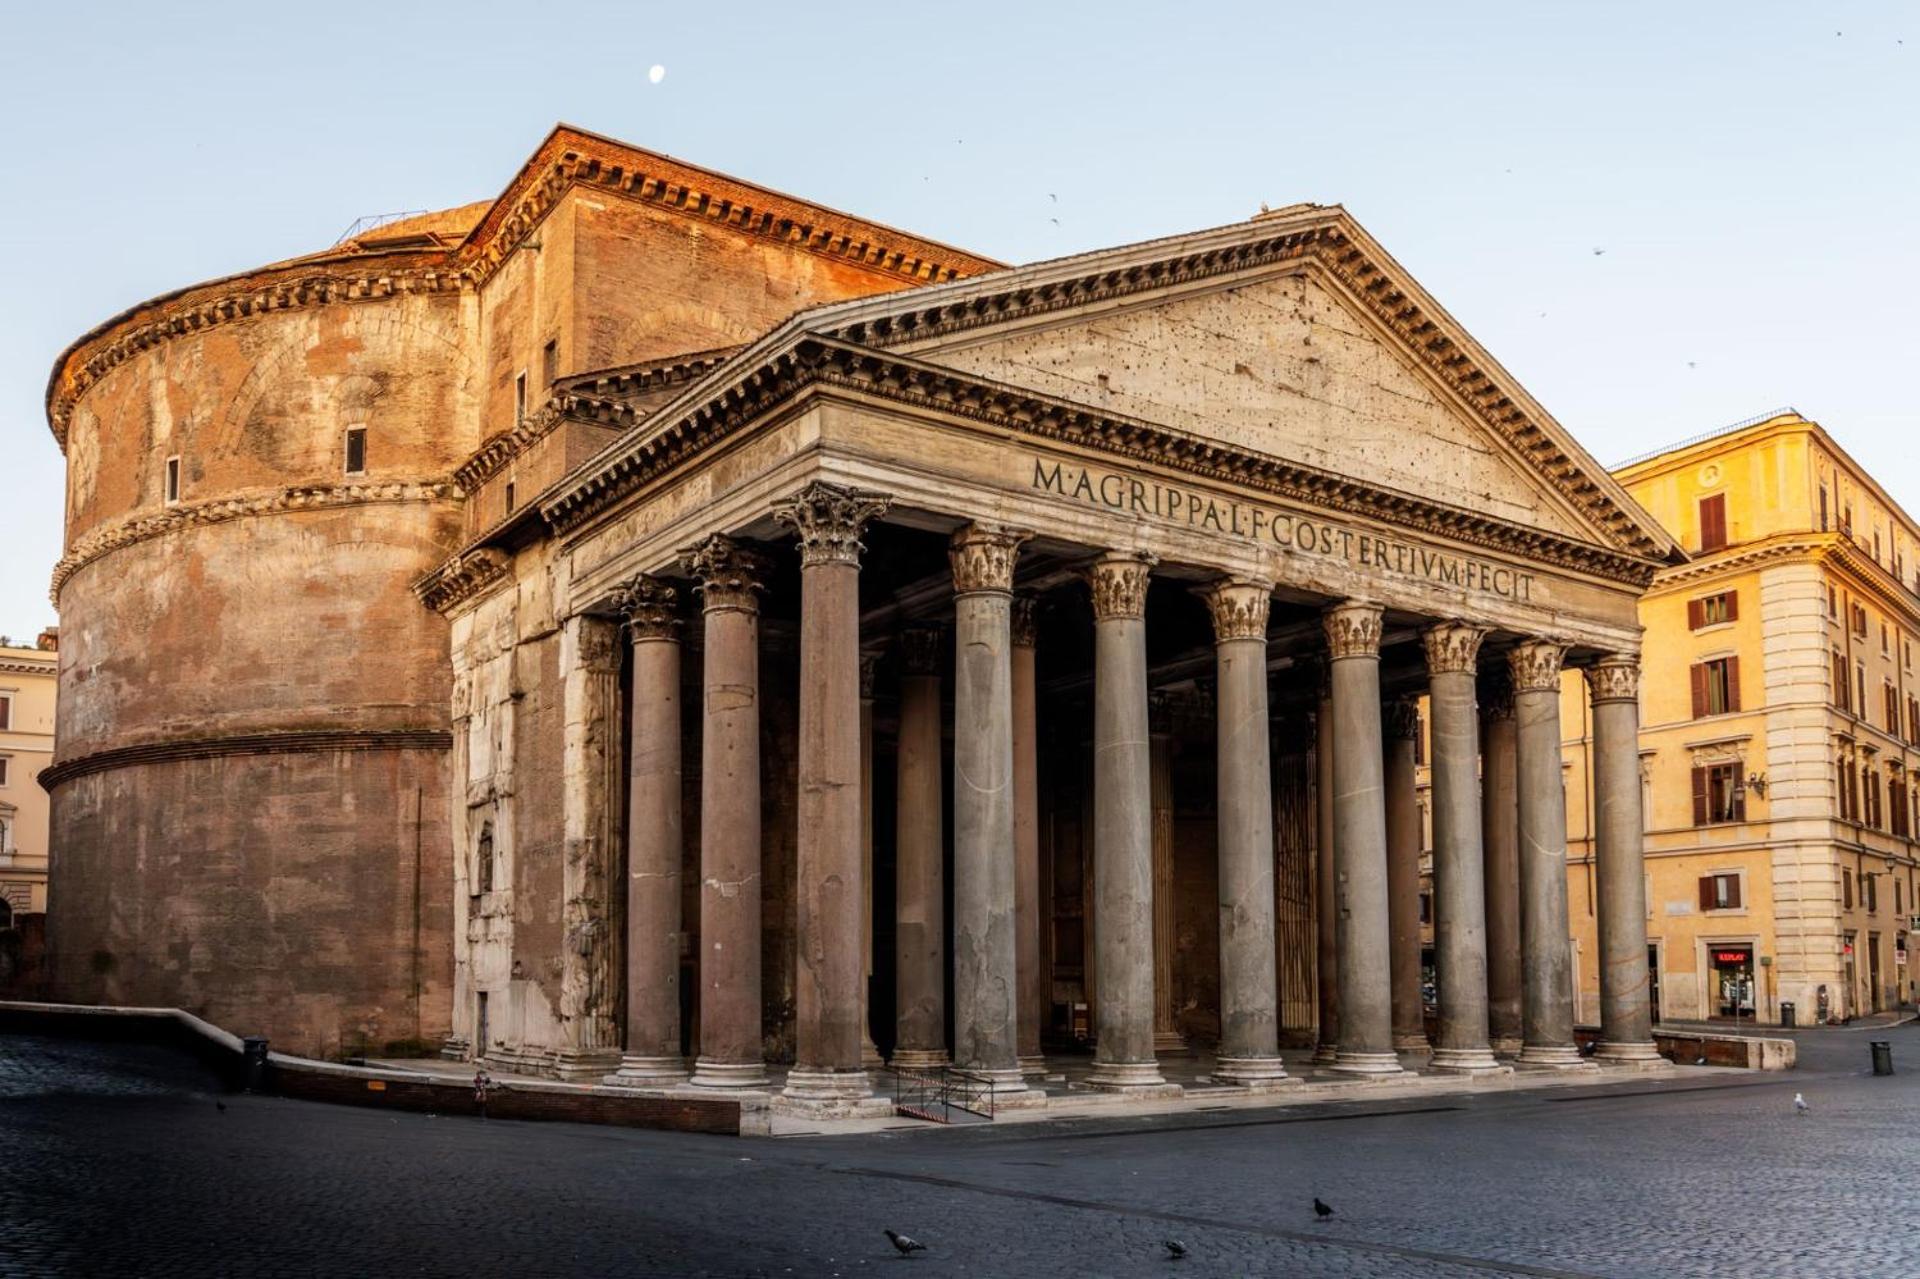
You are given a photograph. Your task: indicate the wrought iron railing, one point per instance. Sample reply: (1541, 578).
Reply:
(941, 1094)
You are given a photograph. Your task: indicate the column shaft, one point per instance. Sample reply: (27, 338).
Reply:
(1547, 959)
(654, 838)
(1326, 914)
(589, 662)
(1403, 877)
(1360, 844)
(1029, 954)
(1459, 890)
(1249, 999)
(1500, 834)
(1123, 829)
(829, 814)
(920, 934)
(1166, 1036)
(1626, 1013)
(870, 1057)
(729, 970)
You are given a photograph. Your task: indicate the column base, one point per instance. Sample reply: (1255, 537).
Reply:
(1009, 1087)
(1325, 1053)
(1637, 1056)
(1125, 1076)
(649, 1072)
(1554, 1057)
(1170, 1043)
(1251, 1072)
(919, 1058)
(1467, 1061)
(729, 1074)
(810, 1084)
(586, 1064)
(1033, 1066)
(1367, 1065)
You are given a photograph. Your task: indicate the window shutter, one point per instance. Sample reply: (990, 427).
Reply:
(1733, 606)
(1706, 893)
(1699, 673)
(1699, 795)
(1713, 522)
(1733, 892)
(1739, 798)
(1696, 614)
(1733, 684)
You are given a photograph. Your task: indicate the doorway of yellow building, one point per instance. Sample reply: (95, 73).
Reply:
(1730, 968)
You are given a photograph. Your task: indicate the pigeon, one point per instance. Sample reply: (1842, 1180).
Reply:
(1321, 1210)
(1175, 1249)
(220, 1106)
(905, 1245)
(1800, 1106)
(1589, 1048)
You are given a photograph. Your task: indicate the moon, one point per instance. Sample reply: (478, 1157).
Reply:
(656, 73)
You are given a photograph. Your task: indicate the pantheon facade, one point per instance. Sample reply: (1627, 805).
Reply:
(758, 644)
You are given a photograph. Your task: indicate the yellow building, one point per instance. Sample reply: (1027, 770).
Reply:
(1780, 733)
(27, 681)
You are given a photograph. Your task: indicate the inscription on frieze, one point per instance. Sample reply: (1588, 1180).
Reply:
(1298, 532)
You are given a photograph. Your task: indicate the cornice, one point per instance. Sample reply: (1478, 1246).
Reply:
(286, 743)
(572, 157)
(1739, 559)
(306, 497)
(1446, 353)
(730, 406)
(13, 666)
(461, 578)
(261, 292)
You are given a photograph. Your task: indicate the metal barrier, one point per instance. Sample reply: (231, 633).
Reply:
(937, 1093)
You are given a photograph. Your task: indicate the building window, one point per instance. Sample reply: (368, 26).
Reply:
(1720, 891)
(1718, 795)
(1713, 522)
(1713, 610)
(1898, 909)
(1870, 893)
(1906, 653)
(519, 399)
(1884, 643)
(1858, 614)
(173, 479)
(1860, 688)
(1823, 508)
(550, 362)
(1897, 805)
(509, 497)
(1891, 697)
(1426, 908)
(1846, 890)
(1876, 546)
(6, 712)
(356, 450)
(1716, 687)
(1833, 603)
(5, 770)
(1871, 787)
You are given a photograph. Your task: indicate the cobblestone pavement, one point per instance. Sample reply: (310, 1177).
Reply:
(117, 1160)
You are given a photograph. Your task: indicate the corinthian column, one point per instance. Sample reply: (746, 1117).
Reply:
(1326, 916)
(1032, 998)
(1546, 957)
(1122, 828)
(1360, 843)
(1459, 894)
(1500, 835)
(870, 1057)
(730, 1042)
(590, 666)
(1249, 1003)
(830, 813)
(985, 975)
(654, 843)
(1402, 725)
(920, 932)
(1626, 1013)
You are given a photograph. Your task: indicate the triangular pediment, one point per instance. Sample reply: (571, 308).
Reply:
(1281, 366)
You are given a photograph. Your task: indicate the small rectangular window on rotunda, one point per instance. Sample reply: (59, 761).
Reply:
(519, 399)
(173, 479)
(356, 450)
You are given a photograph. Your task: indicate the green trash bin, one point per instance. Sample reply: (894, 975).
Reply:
(1882, 1057)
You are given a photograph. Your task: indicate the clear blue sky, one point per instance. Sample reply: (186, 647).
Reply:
(1752, 170)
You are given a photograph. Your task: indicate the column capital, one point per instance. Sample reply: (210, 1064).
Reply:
(869, 667)
(1535, 666)
(828, 519)
(729, 574)
(650, 607)
(1024, 622)
(1614, 678)
(1119, 583)
(920, 649)
(1453, 648)
(982, 557)
(1401, 718)
(1240, 608)
(1353, 629)
(1495, 692)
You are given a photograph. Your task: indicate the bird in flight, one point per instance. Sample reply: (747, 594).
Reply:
(1321, 1210)
(905, 1245)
